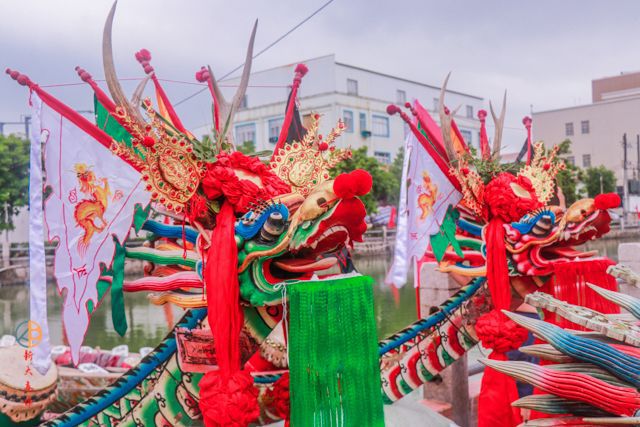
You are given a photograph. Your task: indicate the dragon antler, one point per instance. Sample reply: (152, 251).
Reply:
(226, 108)
(499, 124)
(445, 123)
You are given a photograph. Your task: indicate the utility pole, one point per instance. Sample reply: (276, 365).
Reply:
(625, 184)
(638, 157)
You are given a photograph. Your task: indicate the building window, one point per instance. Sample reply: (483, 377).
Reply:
(363, 122)
(470, 111)
(383, 157)
(586, 160)
(246, 132)
(436, 104)
(584, 126)
(380, 125)
(274, 130)
(570, 160)
(244, 103)
(352, 87)
(568, 129)
(347, 117)
(466, 135)
(401, 97)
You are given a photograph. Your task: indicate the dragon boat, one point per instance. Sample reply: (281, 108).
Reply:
(278, 322)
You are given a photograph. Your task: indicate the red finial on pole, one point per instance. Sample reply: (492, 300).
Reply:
(143, 56)
(300, 71)
(22, 79)
(484, 139)
(526, 121)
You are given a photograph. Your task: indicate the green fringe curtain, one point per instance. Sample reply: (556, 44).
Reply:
(333, 354)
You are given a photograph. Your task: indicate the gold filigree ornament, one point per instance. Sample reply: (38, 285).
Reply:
(305, 164)
(472, 186)
(165, 156)
(542, 171)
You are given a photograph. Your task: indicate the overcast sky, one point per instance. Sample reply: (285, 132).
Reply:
(544, 53)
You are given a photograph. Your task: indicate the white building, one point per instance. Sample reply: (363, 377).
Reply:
(596, 130)
(335, 90)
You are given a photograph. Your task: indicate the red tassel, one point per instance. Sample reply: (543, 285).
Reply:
(497, 268)
(227, 396)
(569, 284)
(223, 301)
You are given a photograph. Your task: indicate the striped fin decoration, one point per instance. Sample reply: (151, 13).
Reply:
(546, 352)
(629, 303)
(185, 279)
(608, 325)
(623, 401)
(170, 231)
(587, 350)
(550, 404)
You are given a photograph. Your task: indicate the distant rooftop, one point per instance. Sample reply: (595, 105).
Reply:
(342, 64)
(624, 85)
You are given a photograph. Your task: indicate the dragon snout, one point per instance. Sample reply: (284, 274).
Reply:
(582, 209)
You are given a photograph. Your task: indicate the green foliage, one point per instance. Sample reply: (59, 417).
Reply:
(599, 180)
(14, 178)
(488, 169)
(386, 180)
(247, 147)
(205, 150)
(569, 178)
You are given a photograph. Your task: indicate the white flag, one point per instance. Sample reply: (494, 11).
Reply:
(426, 195)
(93, 199)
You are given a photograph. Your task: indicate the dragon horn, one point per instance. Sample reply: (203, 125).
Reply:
(499, 124)
(110, 72)
(136, 98)
(445, 123)
(227, 109)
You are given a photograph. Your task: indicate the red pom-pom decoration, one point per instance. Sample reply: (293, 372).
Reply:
(148, 141)
(229, 402)
(356, 183)
(607, 201)
(323, 146)
(279, 396)
(499, 333)
(302, 69)
(203, 75)
(143, 55)
(482, 115)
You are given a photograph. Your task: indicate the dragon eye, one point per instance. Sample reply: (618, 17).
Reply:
(273, 227)
(321, 201)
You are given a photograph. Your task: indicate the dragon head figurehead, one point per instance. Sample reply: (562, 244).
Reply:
(299, 238)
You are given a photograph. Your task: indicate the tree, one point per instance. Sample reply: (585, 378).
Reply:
(599, 180)
(14, 178)
(386, 185)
